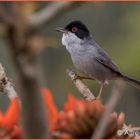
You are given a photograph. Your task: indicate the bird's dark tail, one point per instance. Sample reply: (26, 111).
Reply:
(131, 81)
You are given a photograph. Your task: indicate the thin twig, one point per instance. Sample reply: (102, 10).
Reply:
(82, 88)
(5, 84)
(117, 93)
(49, 13)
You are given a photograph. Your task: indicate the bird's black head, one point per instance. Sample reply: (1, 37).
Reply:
(78, 28)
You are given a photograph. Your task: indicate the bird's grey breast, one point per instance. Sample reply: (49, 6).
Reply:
(83, 54)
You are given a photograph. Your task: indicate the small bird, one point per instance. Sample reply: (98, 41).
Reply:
(89, 57)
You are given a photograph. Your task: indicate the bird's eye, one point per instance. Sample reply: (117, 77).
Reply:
(74, 29)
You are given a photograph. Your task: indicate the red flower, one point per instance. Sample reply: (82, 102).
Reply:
(9, 122)
(78, 120)
(52, 112)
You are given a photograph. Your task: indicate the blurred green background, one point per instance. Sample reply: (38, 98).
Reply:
(115, 26)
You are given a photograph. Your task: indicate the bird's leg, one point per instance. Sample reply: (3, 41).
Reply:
(100, 91)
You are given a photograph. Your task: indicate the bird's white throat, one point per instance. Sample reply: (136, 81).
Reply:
(70, 40)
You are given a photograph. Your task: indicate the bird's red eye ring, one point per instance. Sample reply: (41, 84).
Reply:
(74, 29)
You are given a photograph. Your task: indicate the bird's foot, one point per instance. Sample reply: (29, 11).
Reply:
(98, 97)
(82, 77)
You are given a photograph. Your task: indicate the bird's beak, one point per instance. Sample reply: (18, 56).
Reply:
(62, 30)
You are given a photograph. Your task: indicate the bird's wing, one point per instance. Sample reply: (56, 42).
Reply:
(104, 59)
(108, 64)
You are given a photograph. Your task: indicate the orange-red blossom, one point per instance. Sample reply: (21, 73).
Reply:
(78, 119)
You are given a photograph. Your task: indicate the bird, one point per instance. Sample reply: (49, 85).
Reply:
(89, 58)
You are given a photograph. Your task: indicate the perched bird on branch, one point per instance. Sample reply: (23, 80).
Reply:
(89, 57)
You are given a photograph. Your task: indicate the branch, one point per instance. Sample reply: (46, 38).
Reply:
(20, 33)
(28, 73)
(49, 13)
(82, 88)
(117, 93)
(5, 84)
